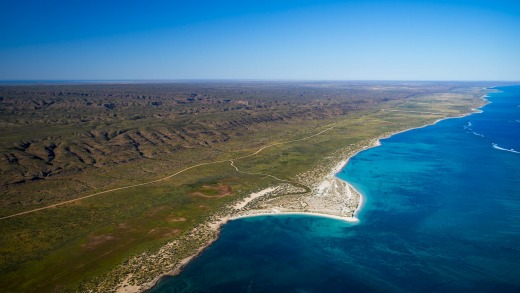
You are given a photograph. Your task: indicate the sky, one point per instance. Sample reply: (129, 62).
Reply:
(260, 40)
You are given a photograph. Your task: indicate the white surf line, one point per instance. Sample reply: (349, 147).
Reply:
(314, 214)
(495, 146)
(158, 180)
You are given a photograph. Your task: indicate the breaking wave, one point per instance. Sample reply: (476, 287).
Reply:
(495, 146)
(468, 128)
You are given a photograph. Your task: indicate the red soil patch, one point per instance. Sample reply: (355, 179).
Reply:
(219, 190)
(96, 241)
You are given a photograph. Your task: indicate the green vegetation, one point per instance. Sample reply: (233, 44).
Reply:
(65, 142)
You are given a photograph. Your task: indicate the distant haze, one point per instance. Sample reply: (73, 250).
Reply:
(290, 39)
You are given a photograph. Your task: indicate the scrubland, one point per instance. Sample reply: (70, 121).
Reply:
(64, 142)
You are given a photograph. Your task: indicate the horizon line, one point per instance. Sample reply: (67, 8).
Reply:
(8, 82)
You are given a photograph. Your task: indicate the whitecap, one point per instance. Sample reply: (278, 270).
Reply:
(495, 146)
(478, 134)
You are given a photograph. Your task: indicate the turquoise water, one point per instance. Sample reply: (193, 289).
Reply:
(442, 214)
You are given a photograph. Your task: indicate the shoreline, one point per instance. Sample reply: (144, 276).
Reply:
(212, 225)
(237, 212)
(309, 214)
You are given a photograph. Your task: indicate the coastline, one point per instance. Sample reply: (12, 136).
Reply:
(358, 242)
(238, 212)
(239, 209)
(310, 214)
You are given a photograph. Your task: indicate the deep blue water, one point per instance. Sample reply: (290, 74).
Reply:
(442, 214)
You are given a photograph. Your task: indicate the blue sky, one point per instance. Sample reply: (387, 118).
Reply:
(284, 39)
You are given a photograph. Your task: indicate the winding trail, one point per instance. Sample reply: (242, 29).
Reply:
(170, 176)
(305, 187)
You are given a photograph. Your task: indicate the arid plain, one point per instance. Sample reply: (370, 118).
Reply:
(105, 185)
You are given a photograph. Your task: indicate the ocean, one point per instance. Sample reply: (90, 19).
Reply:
(441, 214)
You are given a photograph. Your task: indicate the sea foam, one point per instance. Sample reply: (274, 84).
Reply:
(495, 146)
(468, 127)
